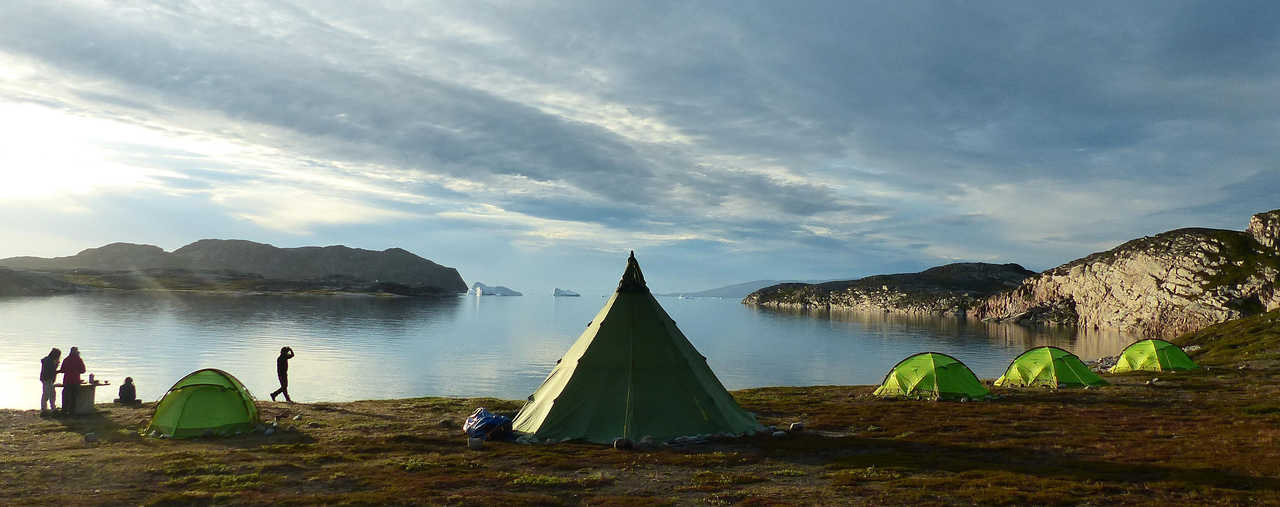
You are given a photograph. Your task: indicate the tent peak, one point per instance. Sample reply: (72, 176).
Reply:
(632, 278)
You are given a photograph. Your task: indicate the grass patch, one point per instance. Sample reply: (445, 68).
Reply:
(553, 481)
(219, 482)
(1248, 339)
(190, 466)
(1262, 409)
(853, 476)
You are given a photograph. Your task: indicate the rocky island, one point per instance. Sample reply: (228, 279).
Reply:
(564, 293)
(1159, 286)
(231, 265)
(951, 290)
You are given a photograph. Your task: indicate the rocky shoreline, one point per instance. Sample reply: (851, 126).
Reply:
(944, 290)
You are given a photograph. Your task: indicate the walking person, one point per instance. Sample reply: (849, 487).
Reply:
(282, 371)
(71, 369)
(49, 374)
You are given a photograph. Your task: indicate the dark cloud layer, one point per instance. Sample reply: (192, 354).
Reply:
(845, 137)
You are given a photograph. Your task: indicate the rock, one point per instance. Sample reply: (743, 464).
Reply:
(90, 437)
(270, 431)
(1265, 229)
(565, 293)
(475, 443)
(796, 426)
(260, 428)
(313, 424)
(646, 441)
(297, 417)
(622, 444)
(1158, 286)
(779, 434)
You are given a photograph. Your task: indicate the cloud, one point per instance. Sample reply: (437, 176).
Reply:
(849, 137)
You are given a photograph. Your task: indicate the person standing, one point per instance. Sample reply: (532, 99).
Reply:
(71, 369)
(282, 371)
(49, 374)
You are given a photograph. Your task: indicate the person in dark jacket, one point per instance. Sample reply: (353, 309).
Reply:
(128, 393)
(71, 369)
(282, 371)
(49, 374)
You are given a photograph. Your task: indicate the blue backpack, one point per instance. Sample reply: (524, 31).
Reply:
(486, 425)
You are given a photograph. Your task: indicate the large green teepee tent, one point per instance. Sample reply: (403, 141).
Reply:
(1049, 367)
(931, 376)
(204, 402)
(631, 374)
(1153, 355)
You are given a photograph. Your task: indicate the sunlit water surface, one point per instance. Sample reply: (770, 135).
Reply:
(351, 348)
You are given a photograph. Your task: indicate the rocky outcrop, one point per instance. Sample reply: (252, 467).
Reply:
(394, 266)
(565, 293)
(1158, 286)
(950, 289)
(481, 289)
(1265, 229)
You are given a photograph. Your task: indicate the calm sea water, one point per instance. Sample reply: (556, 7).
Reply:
(351, 348)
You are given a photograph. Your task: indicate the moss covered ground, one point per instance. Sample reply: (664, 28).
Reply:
(1209, 437)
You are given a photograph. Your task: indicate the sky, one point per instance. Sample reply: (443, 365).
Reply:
(532, 144)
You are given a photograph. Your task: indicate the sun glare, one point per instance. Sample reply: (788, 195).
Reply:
(50, 153)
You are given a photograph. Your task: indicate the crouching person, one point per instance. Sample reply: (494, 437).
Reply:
(128, 394)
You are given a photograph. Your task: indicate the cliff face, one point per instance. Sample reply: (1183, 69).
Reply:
(1159, 286)
(949, 289)
(393, 266)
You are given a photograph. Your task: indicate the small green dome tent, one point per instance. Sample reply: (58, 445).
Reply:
(1050, 367)
(1153, 355)
(932, 376)
(206, 401)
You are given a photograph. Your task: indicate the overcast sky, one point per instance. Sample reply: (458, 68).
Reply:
(532, 144)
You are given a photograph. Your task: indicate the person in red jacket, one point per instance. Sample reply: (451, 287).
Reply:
(71, 369)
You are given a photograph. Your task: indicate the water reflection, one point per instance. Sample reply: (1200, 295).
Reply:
(1086, 343)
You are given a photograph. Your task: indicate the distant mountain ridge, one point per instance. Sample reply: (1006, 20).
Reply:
(391, 266)
(949, 289)
(735, 291)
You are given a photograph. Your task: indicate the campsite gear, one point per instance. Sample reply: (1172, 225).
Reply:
(485, 425)
(204, 402)
(631, 374)
(1153, 355)
(1050, 367)
(931, 376)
